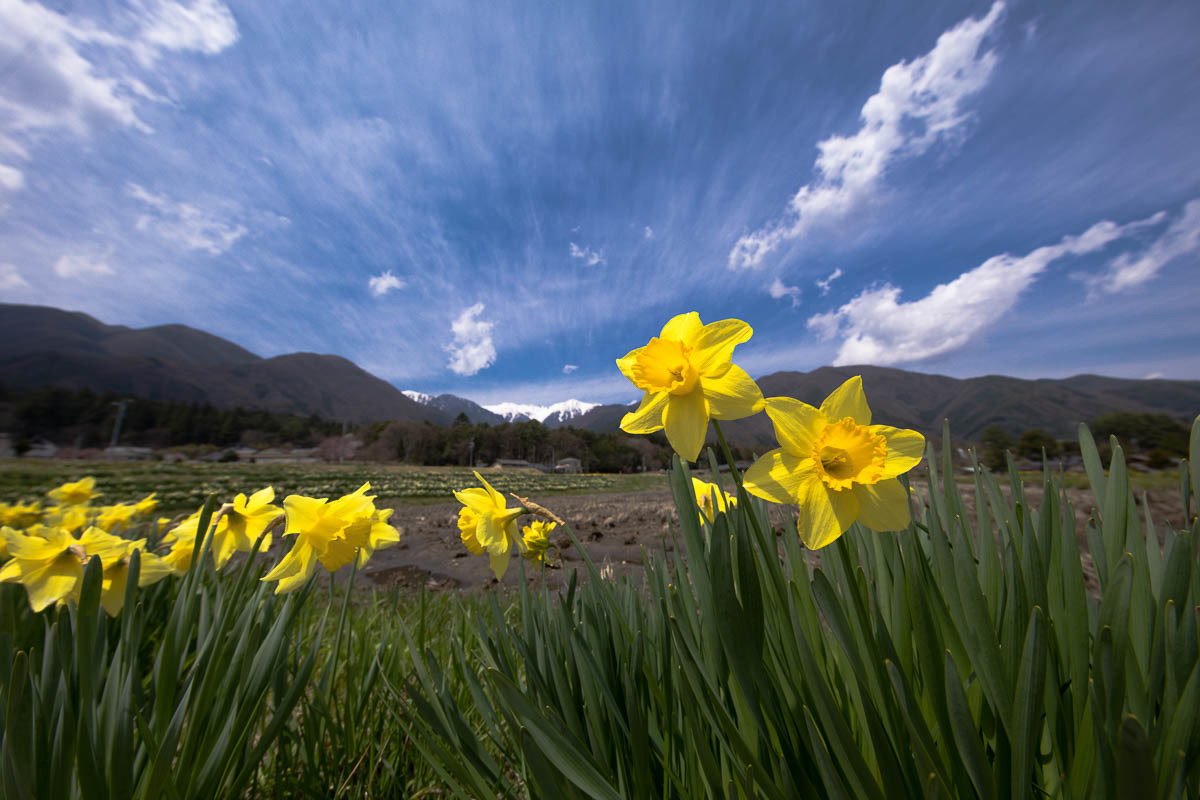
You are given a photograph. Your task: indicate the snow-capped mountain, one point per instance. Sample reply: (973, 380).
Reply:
(420, 397)
(552, 415)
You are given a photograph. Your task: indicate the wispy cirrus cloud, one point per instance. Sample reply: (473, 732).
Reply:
(81, 266)
(73, 74)
(472, 349)
(877, 327)
(186, 225)
(11, 278)
(1134, 268)
(589, 256)
(919, 104)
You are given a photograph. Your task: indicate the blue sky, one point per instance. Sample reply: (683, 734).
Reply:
(499, 199)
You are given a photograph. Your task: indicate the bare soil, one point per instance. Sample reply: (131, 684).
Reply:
(615, 528)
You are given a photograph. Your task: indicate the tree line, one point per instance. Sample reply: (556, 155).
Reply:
(86, 419)
(1159, 437)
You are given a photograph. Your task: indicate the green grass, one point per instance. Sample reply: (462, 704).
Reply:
(963, 657)
(185, 486)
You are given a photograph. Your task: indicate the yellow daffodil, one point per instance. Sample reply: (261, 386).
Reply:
(115, 553)
(182, 542)
(20, 515)
(242, 522)
(705, 494)
(5, 531)
(47, 561)
(116, 518)
(535, 540)
(487, 523)
(836, 465)
(71, 518)
(329, 532)
(688, 379)
(145, 507)
(79, 493)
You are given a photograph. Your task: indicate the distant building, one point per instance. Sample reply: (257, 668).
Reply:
(6, 446)
(570, 464)
(42, 448)
(128, 453)
(512, 463)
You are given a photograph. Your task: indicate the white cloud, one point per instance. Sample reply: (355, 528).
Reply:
(384, 283)
(648, 232)
(878, 328)
(1135, 268)
(778, 290)
(569, 368)
(824, 283)
(11, 278)
(186, 225)
(80, 266)
(592, 257)
(1154, 376)
(11, 178)
(917, 105)
(472, 349)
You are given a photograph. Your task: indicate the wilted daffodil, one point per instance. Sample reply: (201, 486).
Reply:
(47, 561)
(329, 532)
(486, 523)
(688, 379)
(836, 465)
(79, 493)
(705, 494)
(535, 539)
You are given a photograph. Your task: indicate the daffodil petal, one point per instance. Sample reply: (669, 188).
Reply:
(262, 497)
(489, 534)
(904, 449)
(496, 497)
(626, 364)
(797, 425)
(686, 423)
(883, 506)
(734, 395)
(648, 417)
(499, 563)
(52, 583)
(682, 327)
(848, 400)
(713, 346)
(824, 515)
(477, 499)
(302, 512)
(778, 475)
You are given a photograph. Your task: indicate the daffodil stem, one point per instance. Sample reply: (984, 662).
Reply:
(733, 470)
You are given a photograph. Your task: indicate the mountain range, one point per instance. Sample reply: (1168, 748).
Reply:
(921, 401)
(41, 346)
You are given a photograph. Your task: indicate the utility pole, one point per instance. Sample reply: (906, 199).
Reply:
(120, 404)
